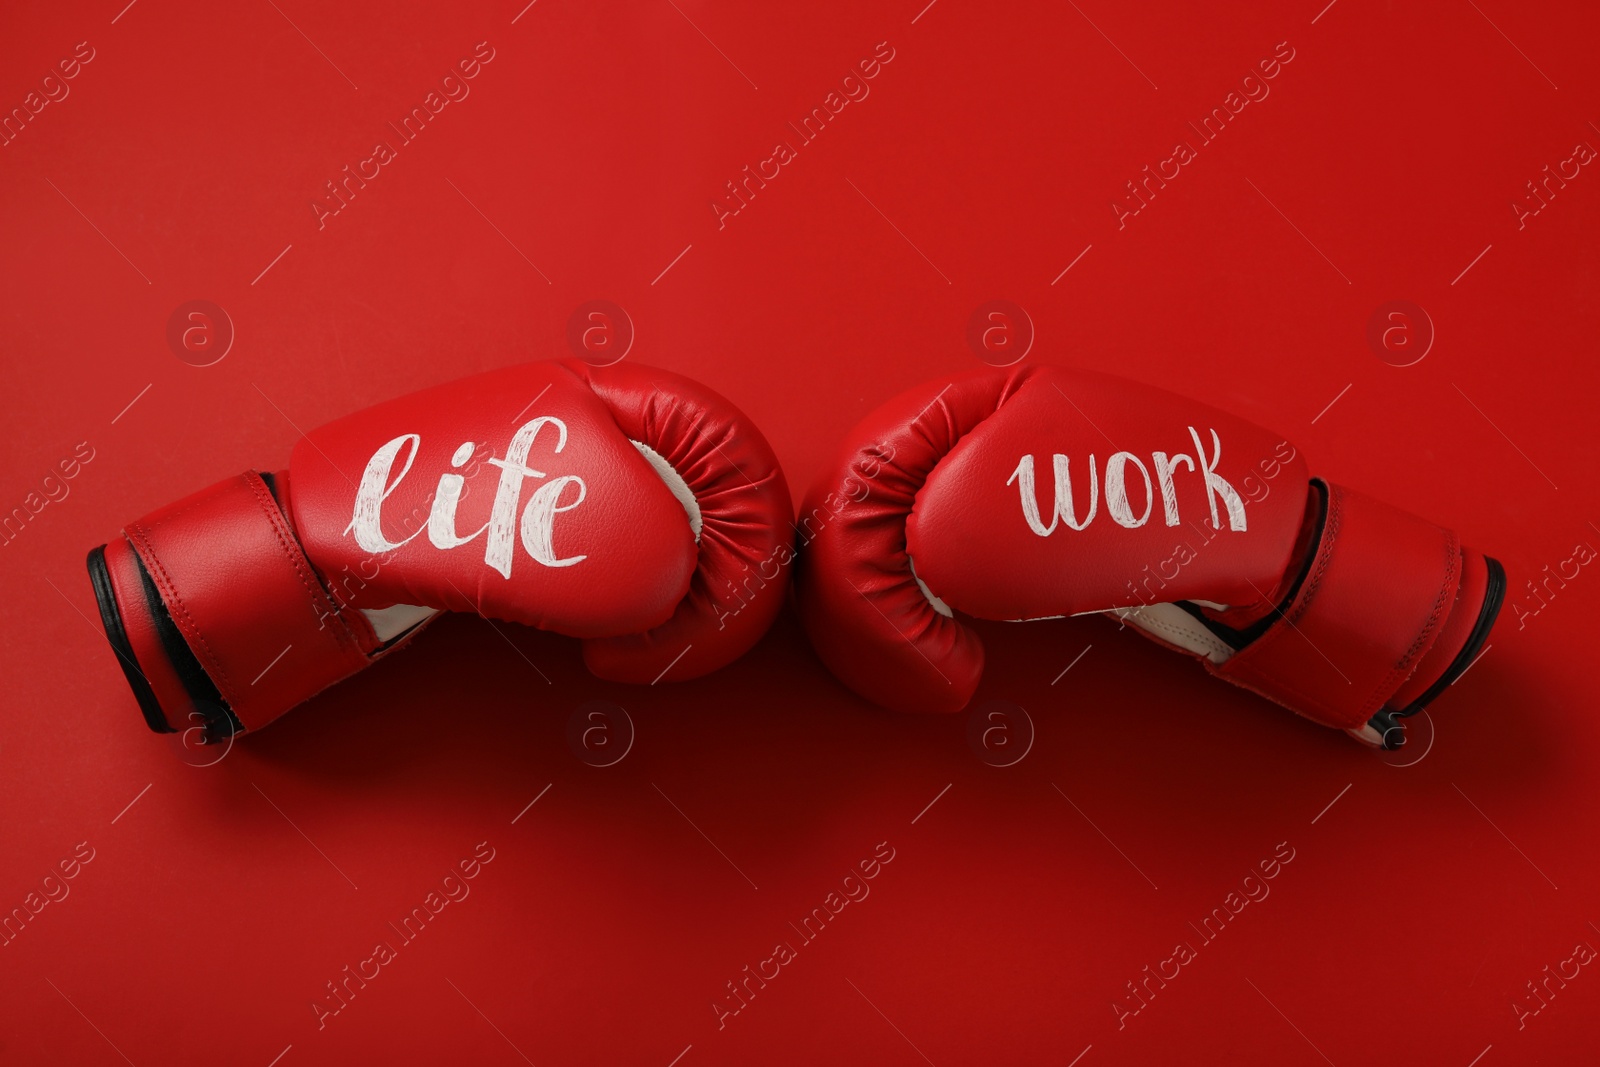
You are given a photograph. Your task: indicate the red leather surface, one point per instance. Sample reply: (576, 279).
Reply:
(953, 483)
(235, 577)
(1380, 585)
(975, 547)
(149, 657)
(969, 489)
(248, 603)
(1462, 616)
(1425, 892)
(864, 614)
(619, 551)
(745, 551)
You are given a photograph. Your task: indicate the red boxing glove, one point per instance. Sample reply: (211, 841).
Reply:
(1044, 492)
(626, 506)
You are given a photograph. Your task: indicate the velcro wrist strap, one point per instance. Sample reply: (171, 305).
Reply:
(1375, 596)
(242, 593)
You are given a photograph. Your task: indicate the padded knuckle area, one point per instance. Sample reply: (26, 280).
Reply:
(863, 607)
(745, 550)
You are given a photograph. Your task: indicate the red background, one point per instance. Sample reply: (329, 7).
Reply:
(983, 163)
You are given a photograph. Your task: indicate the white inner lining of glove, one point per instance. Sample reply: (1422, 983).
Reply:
(1177, 627)
(1367, 736)
(1167, 621)
(933, 601)
(675, 482)
(389, 623)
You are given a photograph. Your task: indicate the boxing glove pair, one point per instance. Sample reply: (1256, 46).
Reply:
(642, 513)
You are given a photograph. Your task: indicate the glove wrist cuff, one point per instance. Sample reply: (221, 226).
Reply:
(1378, 615)
(217, 615)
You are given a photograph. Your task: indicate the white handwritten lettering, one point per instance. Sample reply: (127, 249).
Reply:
(536, 524)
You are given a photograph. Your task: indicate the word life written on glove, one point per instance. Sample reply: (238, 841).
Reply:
(537, 524)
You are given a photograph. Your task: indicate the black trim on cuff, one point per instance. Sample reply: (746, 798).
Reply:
(111, 618)
(1238, 639)
(217, 720)
(1493, 597)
